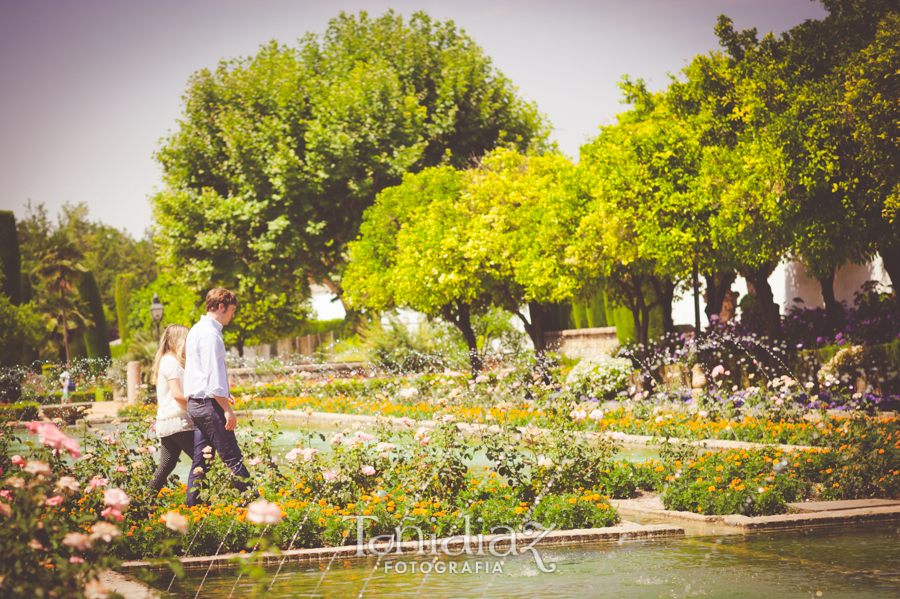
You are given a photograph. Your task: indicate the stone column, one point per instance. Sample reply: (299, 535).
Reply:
(134, 382)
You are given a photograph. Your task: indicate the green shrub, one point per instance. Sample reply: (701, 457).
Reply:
(21, 410)
(75, 397)
(600, 378)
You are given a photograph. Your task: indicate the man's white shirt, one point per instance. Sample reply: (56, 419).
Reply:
(204, 365)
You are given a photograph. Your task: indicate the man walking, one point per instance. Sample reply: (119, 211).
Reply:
(209, 395)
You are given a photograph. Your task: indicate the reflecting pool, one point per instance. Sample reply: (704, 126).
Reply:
(858, 563)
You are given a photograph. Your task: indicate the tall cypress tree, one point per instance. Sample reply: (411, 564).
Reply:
(96, 337)
(10, 258)
(123, 294)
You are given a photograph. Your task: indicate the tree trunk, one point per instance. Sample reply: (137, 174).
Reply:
(62, 297)
(638, 327)
(536, 311)
(717, 284)
(758, 278)
(460, 316)
(665, 296)
(695, 285)
(890, 256)
(832, 307)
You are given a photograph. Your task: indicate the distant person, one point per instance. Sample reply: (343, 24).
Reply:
(174, 426)
(209, 395)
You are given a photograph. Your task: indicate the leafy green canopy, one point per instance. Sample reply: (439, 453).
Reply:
(278, 155)
(453, 243)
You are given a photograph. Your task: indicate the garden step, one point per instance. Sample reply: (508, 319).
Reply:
(848, 504)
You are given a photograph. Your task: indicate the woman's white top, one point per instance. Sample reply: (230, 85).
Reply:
(171, 418)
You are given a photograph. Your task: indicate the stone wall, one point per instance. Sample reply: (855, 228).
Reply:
(580, 343)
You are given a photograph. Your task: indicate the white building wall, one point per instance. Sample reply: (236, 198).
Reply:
(847, 281)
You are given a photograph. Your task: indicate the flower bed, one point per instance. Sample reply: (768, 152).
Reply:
(418, 479)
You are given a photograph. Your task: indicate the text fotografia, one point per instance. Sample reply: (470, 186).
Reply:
(510, 542)
(469, 567)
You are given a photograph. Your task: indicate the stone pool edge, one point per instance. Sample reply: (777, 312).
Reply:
(778, 522)
(449, 546)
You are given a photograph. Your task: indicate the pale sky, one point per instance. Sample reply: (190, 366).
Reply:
(89, 87)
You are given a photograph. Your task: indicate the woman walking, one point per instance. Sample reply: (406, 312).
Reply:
(173, 425)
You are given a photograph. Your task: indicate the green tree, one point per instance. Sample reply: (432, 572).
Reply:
(60, 266)
(524, 212)
(107, 251)
(124, 286)
(410, 254)
(872, 97)
(10, 258)
(96, 335)
(639, 234)
(278, 156)
(183, 305)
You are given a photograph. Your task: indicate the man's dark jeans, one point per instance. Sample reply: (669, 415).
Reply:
(209, 431)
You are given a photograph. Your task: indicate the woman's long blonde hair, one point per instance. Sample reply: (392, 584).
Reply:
(171, 343)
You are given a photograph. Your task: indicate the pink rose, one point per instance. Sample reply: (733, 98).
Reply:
(254, 461)
(97, 482)
(116, 498)
(368, 470)
(364, 436)
(72, 446)
(55, 500)
(76, 560)
(113, 512)
(330, 475)
(121, 469)
(50, 435)
(17, 460)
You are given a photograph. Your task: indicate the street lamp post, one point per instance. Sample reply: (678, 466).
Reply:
(156, 311)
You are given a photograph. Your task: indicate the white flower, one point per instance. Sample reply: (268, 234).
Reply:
(578, 415)
(385, 447)
(596, 415)
(264, 512)
(618, 436)
(95, 590)
(78, 540)
(545, 462)
(702, 413)
(409, 392)
(447, 418)
(175, 521)
(198, 470)
(37, 467)
(105, 531)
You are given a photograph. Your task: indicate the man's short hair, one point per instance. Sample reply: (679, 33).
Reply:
(219, 296)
